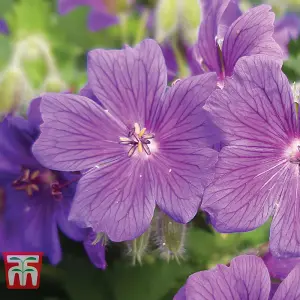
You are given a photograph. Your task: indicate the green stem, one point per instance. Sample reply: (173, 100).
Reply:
(182, 69)
(141, 30)
(124, 28)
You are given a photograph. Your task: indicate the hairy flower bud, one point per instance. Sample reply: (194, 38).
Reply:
(173, 16)
(171, 238)
(54, 84)
(14, 90)
(138, 247)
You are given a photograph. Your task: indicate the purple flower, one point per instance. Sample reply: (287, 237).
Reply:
(225, 35)
(172, 63)
(3, 27)
(35, 201)
(148, 146)
(279, 268)
(258, 172)
(102, 13)
(246, 278)
(287, 29)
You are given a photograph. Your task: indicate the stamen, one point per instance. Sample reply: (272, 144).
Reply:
(142, 132)
(146, 148)
(137, 128)
(35, 174)
(132, 150)
(138, 139)
(98, 238)
(140, 147)
(148, 136)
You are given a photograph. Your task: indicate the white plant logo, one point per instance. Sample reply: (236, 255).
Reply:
(22, 269)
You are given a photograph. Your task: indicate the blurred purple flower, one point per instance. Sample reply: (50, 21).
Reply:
(246, 278)
(257, 175)
(3, 27)
(102, 13)
(226, 35)
(140, 150)
(172, 64)
(287, 29)
(36, 201)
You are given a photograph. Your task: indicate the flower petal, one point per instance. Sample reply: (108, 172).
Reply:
(206, 45)
(69, 228)
(289, 288)
(231, 13)
(116, 199)
(246, 278)
(16, 138)
(280, 267)
(248, 182)
(256, 112)
(100, 20)
(129, 82)
(256, 105)
(34, 113)
(65, 6)
(3, 27)
(284, 233)
(249, 35)
(77, 134)
(184, 165)
(180, 294)
(96, 252)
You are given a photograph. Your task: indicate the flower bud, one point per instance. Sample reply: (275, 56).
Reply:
(54, 84)
(14, 90)
(171, 238)
(138, 247)
(172, 16)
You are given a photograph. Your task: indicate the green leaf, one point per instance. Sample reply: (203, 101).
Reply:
(17, 270)
(31, 258)
(15, 258)
(29, 270)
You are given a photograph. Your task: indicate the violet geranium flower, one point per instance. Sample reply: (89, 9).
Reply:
(246, 278)
(102, 13)
(225, 35)
(257, 174)
(148, 146)
(35, 201)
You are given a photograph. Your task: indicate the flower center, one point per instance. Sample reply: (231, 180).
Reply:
(33, 181)
(293, 152)
(138, 139)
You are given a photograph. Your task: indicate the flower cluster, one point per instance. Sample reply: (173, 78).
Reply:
(129, 153)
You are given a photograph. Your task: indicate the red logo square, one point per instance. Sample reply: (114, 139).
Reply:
(23, 269)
